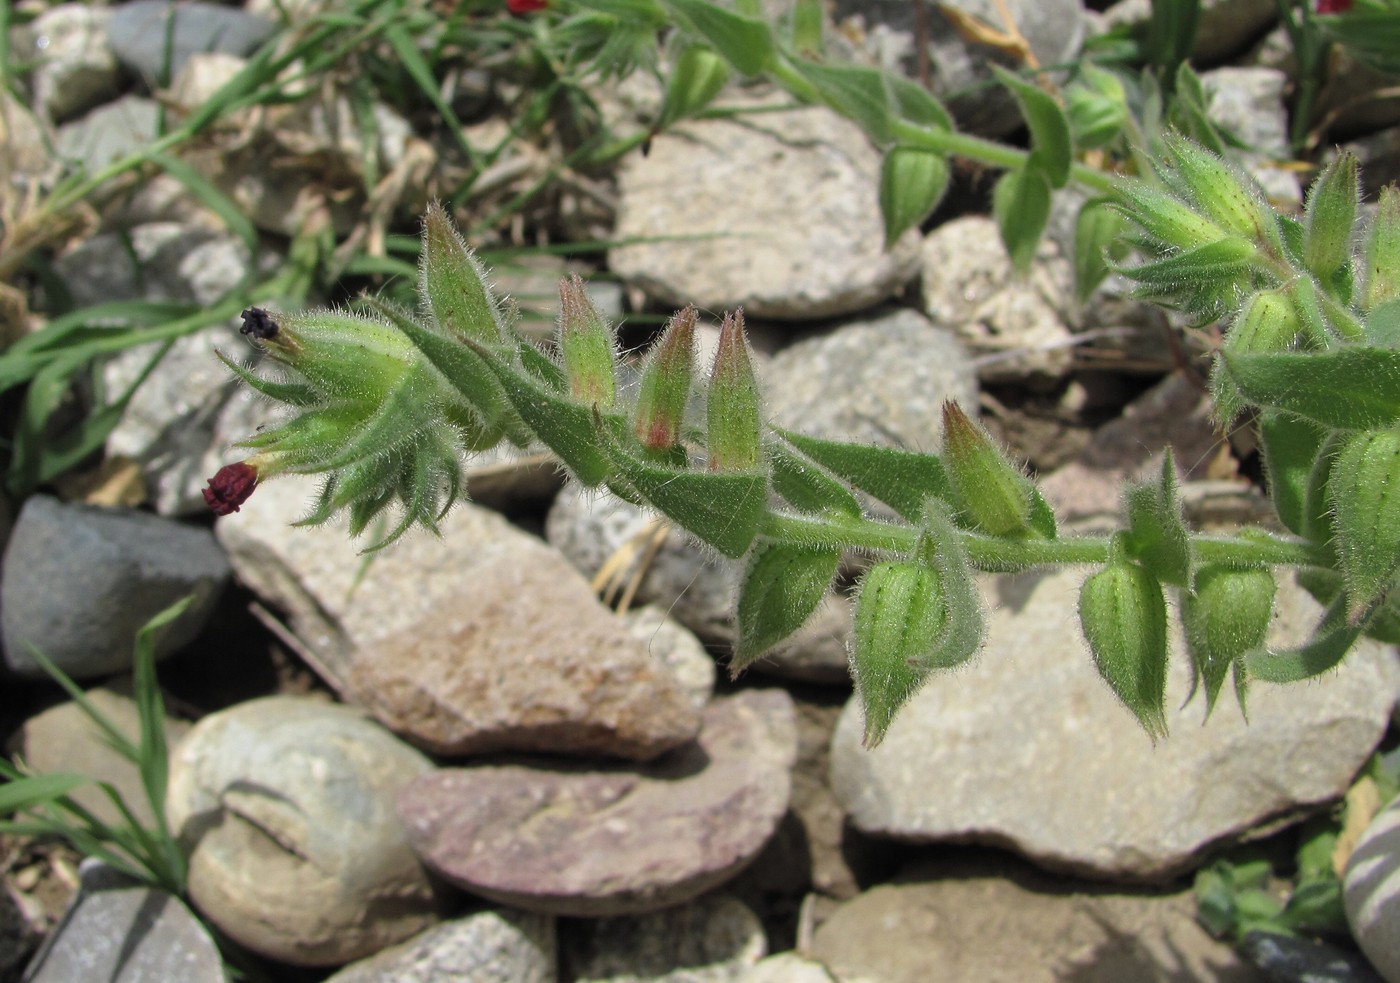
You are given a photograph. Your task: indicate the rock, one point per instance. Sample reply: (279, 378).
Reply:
(28, 161)
(774, 212)
(284, 806)
(1371, 891)
(999, 923)
(668, 642)
(881, 380)
(1248, 104)
(482, 640)
(110, 132)
(17, 938)
(715, 939)
(1289, 959)
(1016, 325)
(75, 70)
(608, 841)
(142, 30)
(64, 739)
(487, 946)
(119, 929)
(787, 967)
(160, 261)
(961, 71)
(116, 566)
(1027, 747)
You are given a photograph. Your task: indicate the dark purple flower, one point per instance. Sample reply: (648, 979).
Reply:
(231, 487)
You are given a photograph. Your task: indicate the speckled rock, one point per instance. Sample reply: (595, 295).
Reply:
(485, 947)
(611, 841)
(285, 806)
(1372, 892)
(715, 939)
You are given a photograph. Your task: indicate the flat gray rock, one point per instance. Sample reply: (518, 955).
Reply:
(591, 842)
(119, 567)
(74, 69)
(1372, 891)
(1001, 923)
(775, 212)
(1028, 748)
(486, 947)
(285, 807)
(120, 931)
(139, 32)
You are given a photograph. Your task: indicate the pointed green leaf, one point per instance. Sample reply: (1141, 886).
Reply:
(1098, 237)
(720, 508)
(1348, 388)
(914, 103)
(291, 393)
(855, 92)
(37, 790)
(782, 586)
(1331, 641)
(1021, 207)
(696, 79)
(806, 485)
(1052, 150)
(1290, 448)
(901, 479)
(747, 42)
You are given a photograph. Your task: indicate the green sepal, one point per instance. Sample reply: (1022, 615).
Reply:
(1383, 250)
(466, 372)
(398, 422)
(1366, 512)
(990, 491)
(808, 21)
(901, 479)
(562, 425)
(912, 182)
(291, 393)
(1330, 642)
(1226, 615)
(1349, 388)
(1222, 191)
(782, 585)
(1097, 107)
(899, 607)
(1382, 623)
(806, 485)
(1021, 207)
(746, 42)
(343, 356)
(720, 508)
(1098, 231)
(1157, 536)
(1382, 329)
(1202, 279)
(1171, 224)
(855, 92)
(1124, 617)
(1052, 148)
(1290, 447)
(966, 624)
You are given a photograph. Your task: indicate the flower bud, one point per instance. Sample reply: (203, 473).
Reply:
(1383, 250)
(732, 407)
(230, 487)
(1226, 615)
(1171, 223)
(665, 385)
(454, 284)
(990, 489)
(912, 182)
(699, 74)
(1366, 508)
(1097, 107)
(1330, 216)
(1268, 322)
(586, 341)
(1124, 617)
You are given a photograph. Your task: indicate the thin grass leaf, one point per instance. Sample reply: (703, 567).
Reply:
(26, 791)
(118, 741)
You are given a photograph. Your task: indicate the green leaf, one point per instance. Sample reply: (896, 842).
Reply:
(1383, 325)
(1330, 216)
(915, 104)
(1198, 277)
(720, 508)
(1366, 514)
(1331, 641)
(806, 485)
(1052, 149)
(35, 790)
(698, 76)
(901, 479)
(855, 92)
(912, 182)
(1098, 236)
(747, 42)
(1157, 536)
(1098, 107)
(562, 425)
(1347, 388)
(1021, 207)
(808, 20)
(1290, 448)
(783, 584)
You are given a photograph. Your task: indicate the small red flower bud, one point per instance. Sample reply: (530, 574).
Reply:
(231, 487)
(526, 6)
(1333, 6)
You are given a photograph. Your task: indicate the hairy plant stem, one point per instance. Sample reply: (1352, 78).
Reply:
(1009, 556)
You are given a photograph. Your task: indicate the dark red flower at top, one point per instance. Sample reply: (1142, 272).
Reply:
(1333, 6)
(231, 487)
(526, 6)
